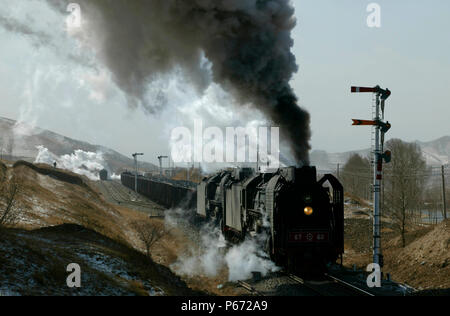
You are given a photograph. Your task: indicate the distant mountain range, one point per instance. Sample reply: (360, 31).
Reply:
(20, 141)
(436, 153)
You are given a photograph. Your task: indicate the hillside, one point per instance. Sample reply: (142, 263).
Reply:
(436, 153)
(61, 219)
(21, 142)
(424, 263)
(35, 262)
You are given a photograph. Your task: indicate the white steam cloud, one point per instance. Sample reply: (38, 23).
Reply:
(84, 163)
(213, 255)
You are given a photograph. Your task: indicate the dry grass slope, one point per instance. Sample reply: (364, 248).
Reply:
(34, 263)
(66, 220)
(424, 263)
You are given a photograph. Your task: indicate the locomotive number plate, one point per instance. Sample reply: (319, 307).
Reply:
(308, 237)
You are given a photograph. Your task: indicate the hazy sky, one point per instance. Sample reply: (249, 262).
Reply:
(46, 79)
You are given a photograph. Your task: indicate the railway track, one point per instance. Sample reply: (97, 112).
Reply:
(249, 288)
(328, 286)
(119, 196)
(304, 283)
(349, 286)
(109, 192)
(119, 192)
(331, 286)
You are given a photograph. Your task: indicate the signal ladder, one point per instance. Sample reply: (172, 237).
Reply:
(372, 142)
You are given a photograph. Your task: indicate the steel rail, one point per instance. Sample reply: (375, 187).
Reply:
(305, 283)
(333, 279)
(118, 187)
(126, 198)
(249, 288)
(110, 193)
(349, 285)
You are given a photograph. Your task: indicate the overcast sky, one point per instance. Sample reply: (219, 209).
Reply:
(48, 81)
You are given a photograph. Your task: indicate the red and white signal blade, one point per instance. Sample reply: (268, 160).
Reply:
(363, 89)
(363, 122)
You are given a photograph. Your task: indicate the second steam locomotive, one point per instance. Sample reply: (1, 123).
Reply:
(300, 219)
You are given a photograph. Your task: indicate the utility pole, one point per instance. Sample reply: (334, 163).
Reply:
(444, 201)
(135, 155)
(160, 158)
(338, 170)
(257, 157)
(381, 128)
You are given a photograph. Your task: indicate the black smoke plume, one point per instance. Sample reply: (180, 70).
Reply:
(248, 43)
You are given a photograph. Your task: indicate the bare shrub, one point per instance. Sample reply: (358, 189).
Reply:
(404, 184)
(356, 176)
(149, 233)
(10, 200)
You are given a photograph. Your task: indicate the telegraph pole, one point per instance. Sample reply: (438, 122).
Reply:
(257, 157)
(381, 128)
(160, 158)
(444, 201)
(135, 155)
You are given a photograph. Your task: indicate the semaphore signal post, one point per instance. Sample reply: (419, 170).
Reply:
(381, 128)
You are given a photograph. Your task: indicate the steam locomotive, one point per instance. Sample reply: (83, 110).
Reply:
(300, 220)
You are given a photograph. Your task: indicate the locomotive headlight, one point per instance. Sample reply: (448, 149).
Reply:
(308, 210)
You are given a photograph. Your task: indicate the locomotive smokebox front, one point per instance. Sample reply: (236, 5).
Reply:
(304, 218)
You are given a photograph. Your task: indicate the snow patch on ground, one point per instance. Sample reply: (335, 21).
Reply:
(19, 272)
(115, 267)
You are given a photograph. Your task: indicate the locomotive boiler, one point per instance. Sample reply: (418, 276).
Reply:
(298, 220)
